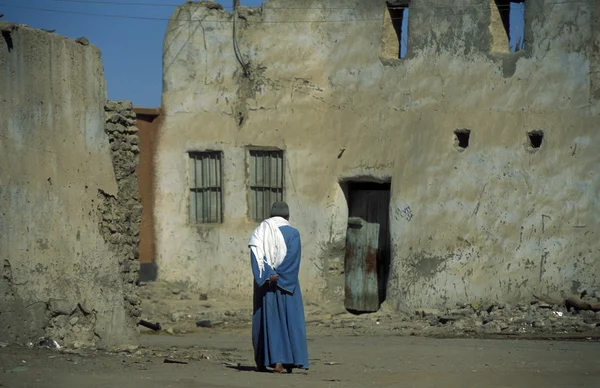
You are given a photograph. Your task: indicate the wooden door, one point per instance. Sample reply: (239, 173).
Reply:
(370, 202)
(362, 248)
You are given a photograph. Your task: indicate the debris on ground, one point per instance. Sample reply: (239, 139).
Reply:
(169, 361)
(19, 369)
(48, 343)
(152, 326)
(204, 323)
(564, 316)
(575, 301)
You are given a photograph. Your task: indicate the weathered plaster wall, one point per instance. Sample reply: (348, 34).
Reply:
(59, 277)
(497, 221)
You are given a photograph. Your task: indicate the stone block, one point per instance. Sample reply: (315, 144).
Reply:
(60, 307)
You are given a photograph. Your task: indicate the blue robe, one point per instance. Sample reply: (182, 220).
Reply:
(278, 327)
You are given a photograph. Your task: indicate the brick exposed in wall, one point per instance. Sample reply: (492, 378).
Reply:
(121, 214)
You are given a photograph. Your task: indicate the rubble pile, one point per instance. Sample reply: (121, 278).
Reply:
(70, 323)
(180, 311)
(536, 317)
(576, 316)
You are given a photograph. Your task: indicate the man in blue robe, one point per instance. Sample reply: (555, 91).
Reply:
(278, 327)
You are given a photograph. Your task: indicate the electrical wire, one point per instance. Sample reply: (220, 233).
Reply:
(126, 3)
(453, 6)
(236, 49)
(263, 21)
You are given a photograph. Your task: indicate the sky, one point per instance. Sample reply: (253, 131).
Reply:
(129, 34)
(131, 47)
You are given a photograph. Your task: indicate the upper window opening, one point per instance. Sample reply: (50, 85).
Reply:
(206, 183)
(266, 182)
(511, 16)
(396, 29)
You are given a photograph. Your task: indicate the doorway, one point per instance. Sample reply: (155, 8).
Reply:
(368, 240)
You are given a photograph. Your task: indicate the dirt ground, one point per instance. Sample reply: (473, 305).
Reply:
(337, 360)
(384, 349)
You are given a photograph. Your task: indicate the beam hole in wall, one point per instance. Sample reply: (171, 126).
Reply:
(461, 138)
(396, 29)
(368, 252)
(512, 16)
(535, 139)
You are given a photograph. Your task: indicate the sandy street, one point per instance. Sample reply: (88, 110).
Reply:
(336, 361)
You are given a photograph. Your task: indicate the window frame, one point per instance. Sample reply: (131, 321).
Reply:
(194, 188)
(278, 190)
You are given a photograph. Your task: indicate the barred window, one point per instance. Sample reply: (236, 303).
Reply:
(266, 182)
(206, 187)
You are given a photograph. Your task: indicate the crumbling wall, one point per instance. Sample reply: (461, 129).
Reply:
(18, 321)
(59, 276)
(499, 221)
(121, 214)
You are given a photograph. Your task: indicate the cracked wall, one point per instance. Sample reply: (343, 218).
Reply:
(496, 221)
(59, 276)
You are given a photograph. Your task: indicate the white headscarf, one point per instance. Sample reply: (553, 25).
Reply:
(267, 243)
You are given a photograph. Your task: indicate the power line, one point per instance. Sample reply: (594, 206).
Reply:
(127, 3)
(167, 19)
(83, 13)
(230, 21)
(454, 6)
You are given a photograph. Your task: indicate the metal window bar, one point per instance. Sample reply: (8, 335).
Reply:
(266, 182)
(206, 182)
